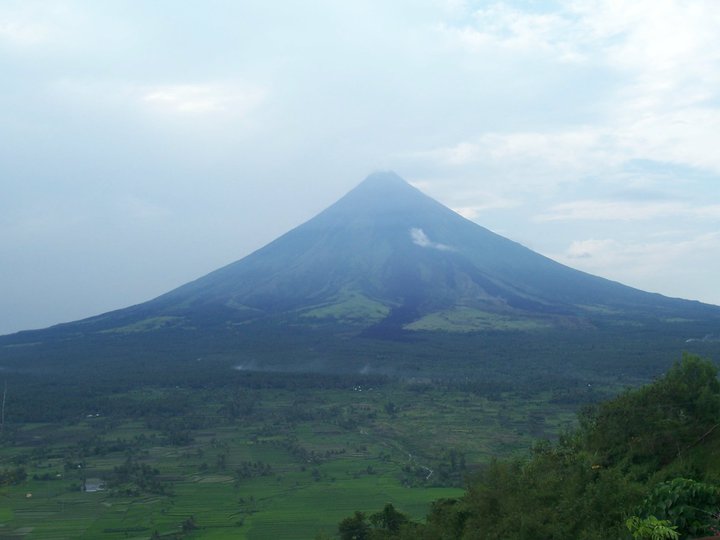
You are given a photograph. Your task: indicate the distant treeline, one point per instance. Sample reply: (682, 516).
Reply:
(51, 398)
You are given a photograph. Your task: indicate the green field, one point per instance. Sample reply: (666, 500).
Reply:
(257, 463)
(465, 319)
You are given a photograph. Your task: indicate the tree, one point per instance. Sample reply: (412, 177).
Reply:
(651, 528)
(354, 527)
(651, 426)
(447, 519)
(688, 505)
(189, 524)
(389, 519)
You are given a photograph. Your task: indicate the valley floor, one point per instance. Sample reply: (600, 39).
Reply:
(257, 463)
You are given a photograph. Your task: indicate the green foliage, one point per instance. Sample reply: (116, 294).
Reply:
(354, 527)
(447, 519)
(689, 505)
(133, 478)
(649, 427)
(12, 477)
(555, 494)
(389, 519)
(464, 319)
(189, 524)
(651, 528)
(384, 525)
(586, 484)
(582, 486)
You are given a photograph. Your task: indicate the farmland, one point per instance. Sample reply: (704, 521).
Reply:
(253, 461)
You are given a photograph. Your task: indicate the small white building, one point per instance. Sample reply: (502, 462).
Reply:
(91, 485)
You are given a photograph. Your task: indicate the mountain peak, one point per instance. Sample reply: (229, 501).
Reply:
(383, 192)
(383, 179)
(383, 184)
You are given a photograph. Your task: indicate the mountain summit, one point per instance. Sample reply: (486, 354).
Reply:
(383, 261)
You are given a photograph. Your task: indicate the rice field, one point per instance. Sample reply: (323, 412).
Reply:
(291, 469)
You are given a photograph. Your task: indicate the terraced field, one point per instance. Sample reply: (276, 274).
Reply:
(289, 464)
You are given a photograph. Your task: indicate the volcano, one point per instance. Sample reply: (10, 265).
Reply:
(386, 253)
(385, 261)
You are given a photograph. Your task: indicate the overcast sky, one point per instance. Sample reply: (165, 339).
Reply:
(144, 144)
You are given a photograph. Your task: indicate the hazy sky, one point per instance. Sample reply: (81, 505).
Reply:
(144, 144)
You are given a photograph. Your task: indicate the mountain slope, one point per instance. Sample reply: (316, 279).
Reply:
(387, 244)
(386, 253)
(386, 261)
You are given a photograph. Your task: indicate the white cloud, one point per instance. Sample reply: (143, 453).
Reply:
(491, 202)
(198, 99)
(29, 24)
(454, 7)
(532, 157)
(664, 105)
(419, 238)
(688, 263)
(669, 47)
(648, 38)
(687, 138)
(22, 33)
(502, 26)
(469, 202)
(233, 99)
(38, 26)
(586, 249)
(628, 211)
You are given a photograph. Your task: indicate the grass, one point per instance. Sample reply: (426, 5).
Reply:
(350, 308)
(465, 319)
(146, 325)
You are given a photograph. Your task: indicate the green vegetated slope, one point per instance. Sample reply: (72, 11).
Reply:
(465, 319)
(514, 351)
(645, 465)
(349, 308)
